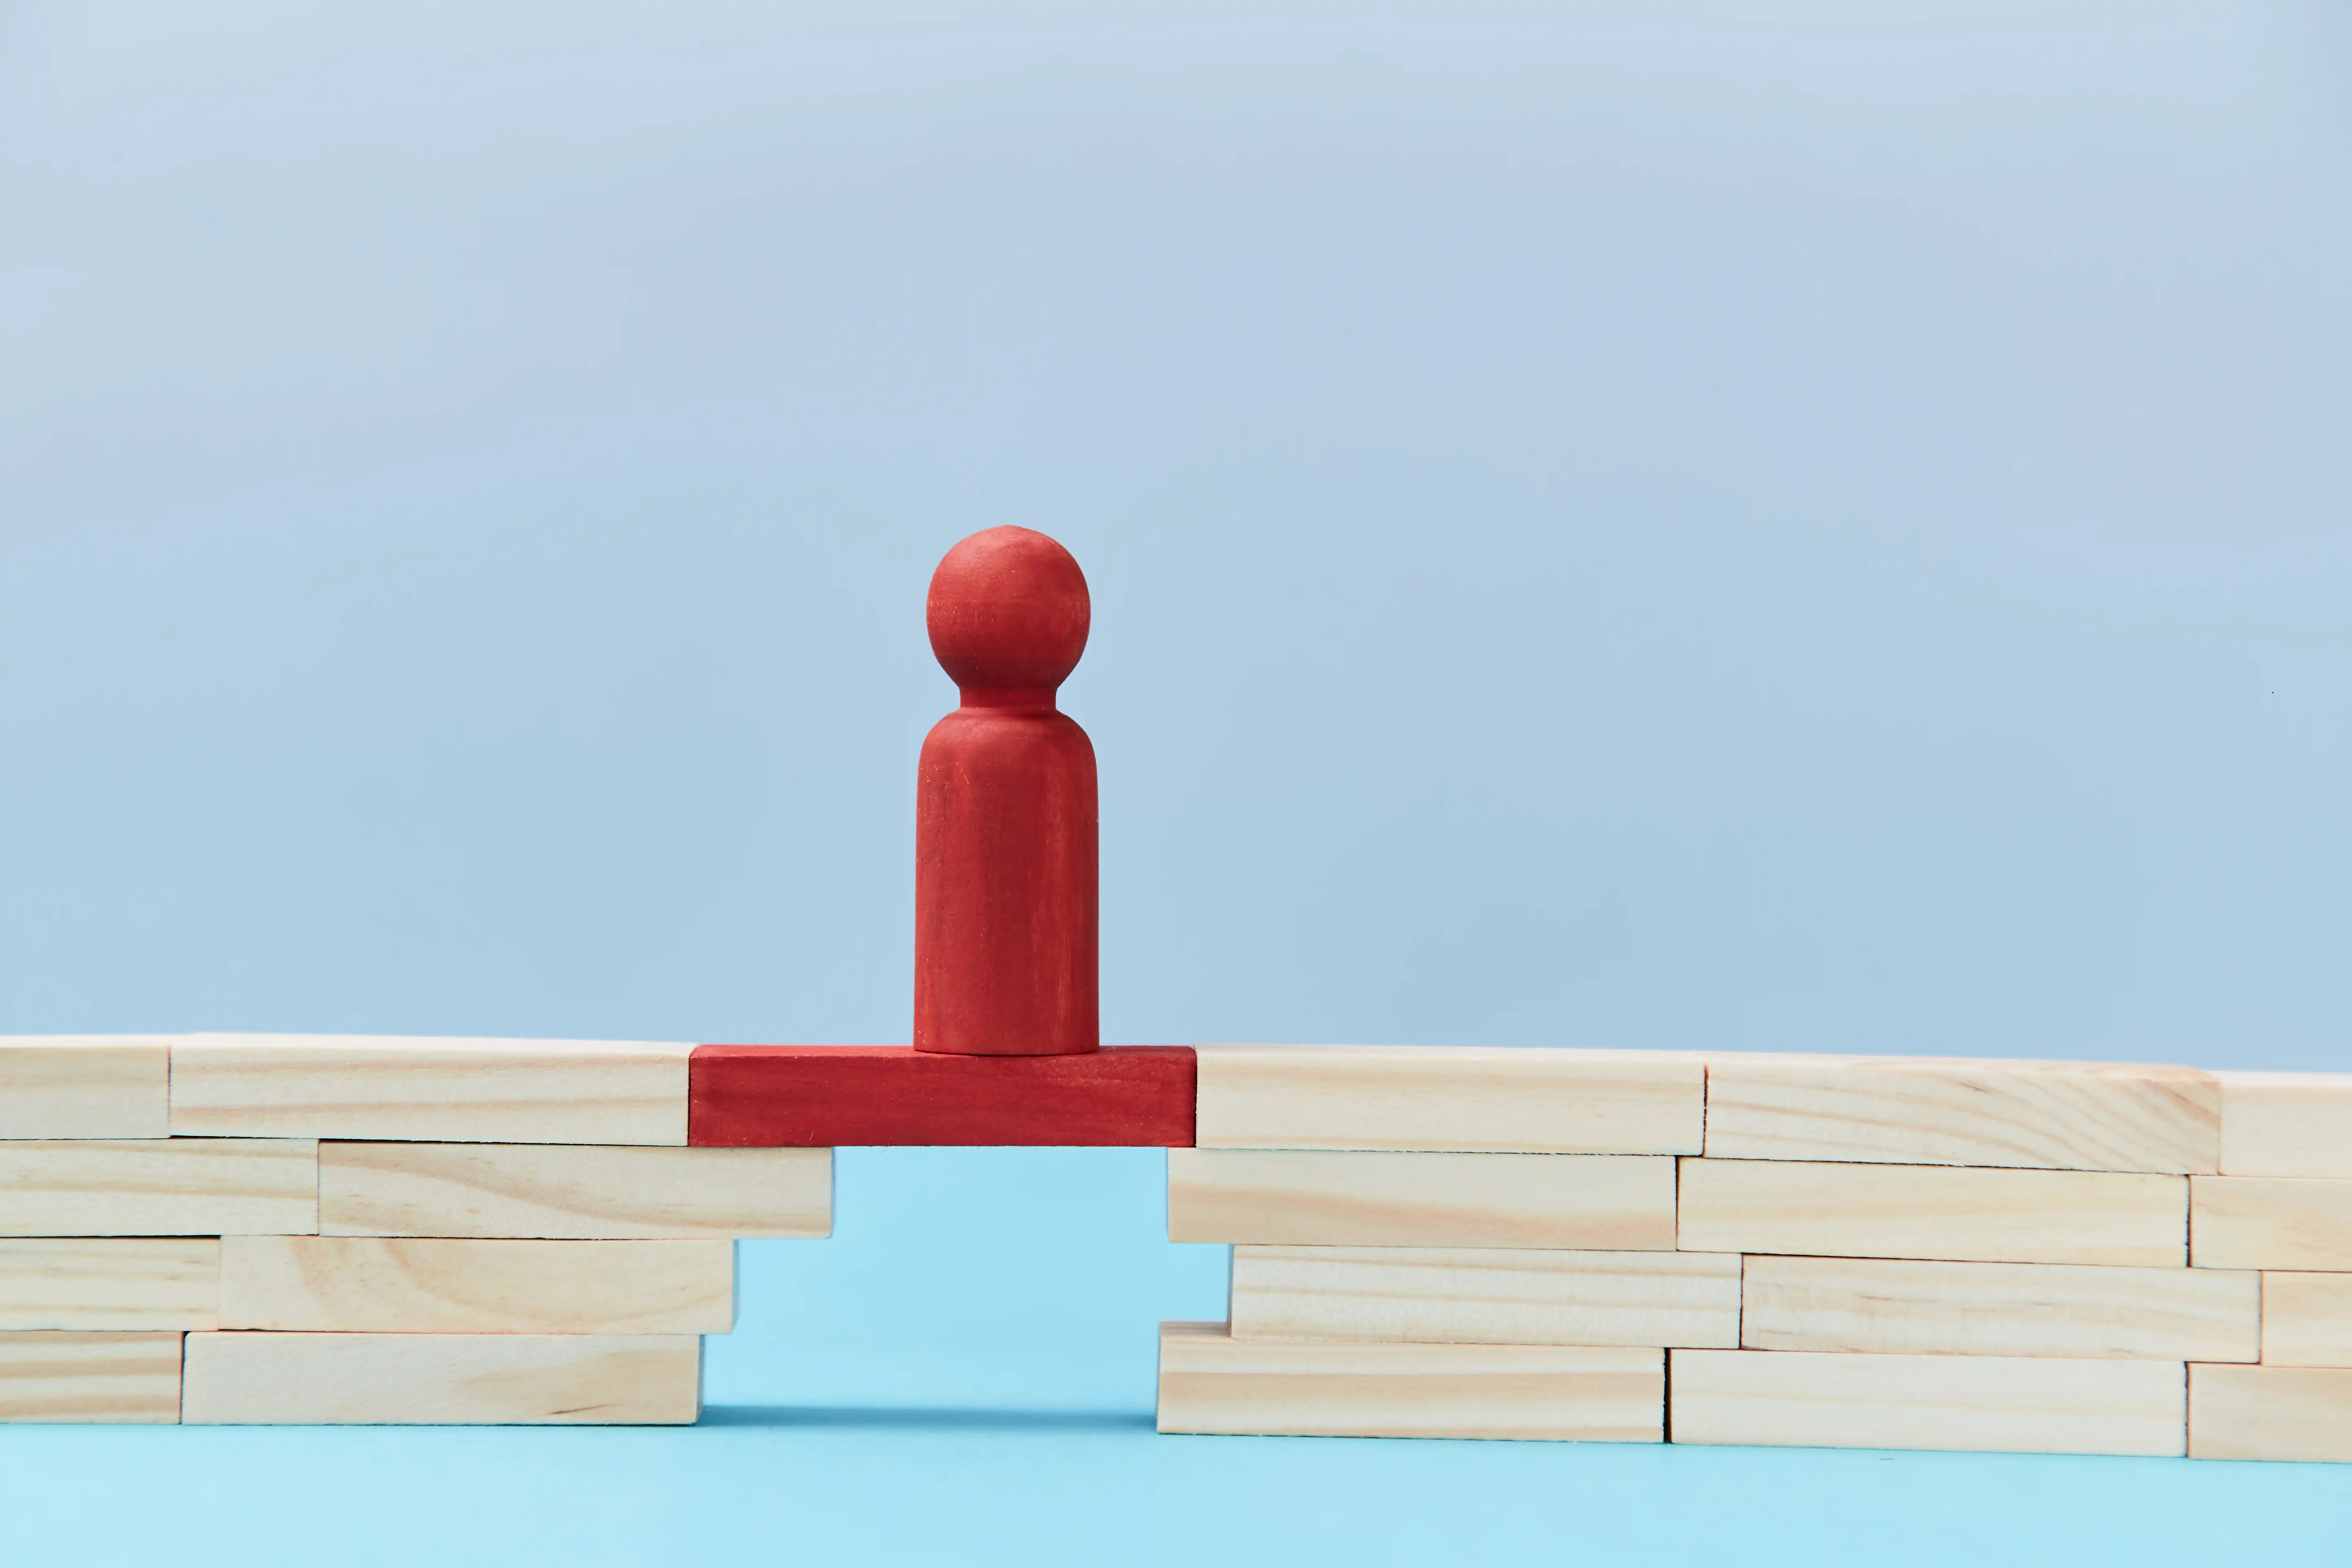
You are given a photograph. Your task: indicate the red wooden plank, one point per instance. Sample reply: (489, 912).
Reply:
(837, 1096)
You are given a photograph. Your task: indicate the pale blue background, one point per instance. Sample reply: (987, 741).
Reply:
(1823, 526)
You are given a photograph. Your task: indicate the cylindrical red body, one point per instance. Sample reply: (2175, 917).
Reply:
(1005, 886)
(1005, 875)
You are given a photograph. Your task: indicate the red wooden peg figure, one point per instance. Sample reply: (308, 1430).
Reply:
(1005, 891)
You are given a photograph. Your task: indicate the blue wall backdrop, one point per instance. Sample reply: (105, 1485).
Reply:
(1826, 527)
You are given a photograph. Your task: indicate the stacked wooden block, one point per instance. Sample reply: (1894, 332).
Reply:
(289, 1229)
(1769, 1249)
(2281, 1203)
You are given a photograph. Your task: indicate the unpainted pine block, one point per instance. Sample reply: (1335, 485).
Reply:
(2057, 1116)
(2286, 1124)
(85, 1086)
(429, 1091)
(564, 1380)
(1485, 1296)
(2271, 1222)
(2025, 1404)
(1210, 1382)
(2269, 1413)
(1946, 1212)
(159, 1186)
(331, 1284)
(579, 1191)
(53, 1377)
(1337, 1197)
(1535, 1100)
(110, 1282)
(1906, 1307)
(2307, 1320)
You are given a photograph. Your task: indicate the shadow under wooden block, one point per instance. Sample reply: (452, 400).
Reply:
(403, 1286)
(579, 1191)
(853, 1096)
(2269, 1413)
(116, 1283)
(1945, 1213)
(1485, 1296)
(96, 1377)
(160, 1186)
(1904, 1307)
(2307, 1320)
(1472, 1099)
(1210, 1383)
(2271, 1222)
(330, 1379)
(437, 1090)
(2286, 1124)
(2060, 1116)
(1991, 1404)
(1339, 1198)
(85, 1086)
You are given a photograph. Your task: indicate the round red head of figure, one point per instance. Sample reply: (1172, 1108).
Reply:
(1008, 614)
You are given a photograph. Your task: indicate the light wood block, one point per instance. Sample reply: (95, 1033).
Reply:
(564, 1380)
(2307, 1320)
(1337, 1197)
(1451, 1098)
(2058, 1116)
(1935, 1212)
(159, 1186)
(2271, 1222)
(390, 1285)
(1211, 1383)
(85, 1086)
(431, 1090)
(572, 1190)
(90, 1377)
(1903, 1307)
(2286, 1124)
(2269, 1413)
(1485, 1296)
(113, 1282)
(2001, 1404)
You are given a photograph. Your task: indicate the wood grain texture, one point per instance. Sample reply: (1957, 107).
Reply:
(120, 1283)
(434, 1090)
(394, 1285)
(1904, 1307)
(2269, 1413)
(564, 1380)
(1452, 1098)
(2271, 1222)
(2308, 1319)
(90, 1377)
(1933, 1212)
(837, 1096)
(1485, 1296)
(2286, 1124)
(1339, 1198)
(1999, 1404)
(159, 1186)
(1211, 1383)
(85, 1086)
(2058, 1116)
(578, 1191)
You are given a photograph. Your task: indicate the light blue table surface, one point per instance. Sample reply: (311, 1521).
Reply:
(964, 1374)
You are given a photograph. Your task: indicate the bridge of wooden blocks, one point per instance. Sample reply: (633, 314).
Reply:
(1597, 1245)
